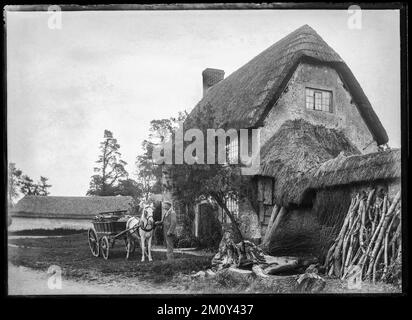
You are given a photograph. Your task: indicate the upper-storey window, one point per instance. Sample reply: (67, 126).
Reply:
(317, 99)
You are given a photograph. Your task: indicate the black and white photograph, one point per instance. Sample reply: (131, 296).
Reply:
(204, 149)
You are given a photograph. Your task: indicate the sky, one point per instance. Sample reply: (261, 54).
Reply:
(118, 70)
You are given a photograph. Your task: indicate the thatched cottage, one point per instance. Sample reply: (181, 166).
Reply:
(48, 212)
(319, 135)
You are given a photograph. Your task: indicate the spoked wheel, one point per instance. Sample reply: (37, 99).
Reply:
(93, 242)
(105, 247)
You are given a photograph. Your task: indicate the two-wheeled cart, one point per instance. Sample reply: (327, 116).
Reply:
(107, 228)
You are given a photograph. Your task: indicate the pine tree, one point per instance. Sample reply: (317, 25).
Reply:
(110, 167)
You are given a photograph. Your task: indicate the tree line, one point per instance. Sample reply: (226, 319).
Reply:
(19, 183)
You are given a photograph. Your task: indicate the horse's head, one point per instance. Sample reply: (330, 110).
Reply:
(148, 219)
(148, 213)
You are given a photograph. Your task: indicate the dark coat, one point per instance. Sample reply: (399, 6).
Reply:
(169, 222)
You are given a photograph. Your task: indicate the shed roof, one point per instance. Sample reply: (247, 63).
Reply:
(69, 207)
(383, 165)
(302, 158)
(245, 97)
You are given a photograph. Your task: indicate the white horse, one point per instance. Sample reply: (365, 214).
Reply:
(141, 229)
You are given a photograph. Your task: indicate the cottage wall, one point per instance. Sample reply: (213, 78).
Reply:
(345, 116)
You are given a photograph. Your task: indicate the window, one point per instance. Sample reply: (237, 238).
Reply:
(310, 102)
(233, 205)
(233, 152)
(320, 100)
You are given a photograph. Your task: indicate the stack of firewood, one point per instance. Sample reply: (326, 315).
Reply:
(369, 241)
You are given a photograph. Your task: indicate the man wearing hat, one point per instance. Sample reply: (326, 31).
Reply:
(169, 226)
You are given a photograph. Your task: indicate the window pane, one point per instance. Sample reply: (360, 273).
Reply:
(309, 103)
(309, 92)
(233, 152)
(318, 100)
(309, 99)
(325, 101)
(232, 204)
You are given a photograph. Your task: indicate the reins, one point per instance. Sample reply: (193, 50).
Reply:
(144, 227)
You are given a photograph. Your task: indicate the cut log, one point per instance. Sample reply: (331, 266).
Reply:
(266, 238)
(235, 275)
(276, 268)
(257, 270)
(261, 212)
(276, 222)
(270, 232)
(363, 261)
(310, 282)
(382, 230)
(340, 240)
(275, 211)
(277, 265)
(279, 260)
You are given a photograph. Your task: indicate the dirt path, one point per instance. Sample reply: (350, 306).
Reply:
(26, 281)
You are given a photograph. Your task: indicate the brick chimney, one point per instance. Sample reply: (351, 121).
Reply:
(211, 77)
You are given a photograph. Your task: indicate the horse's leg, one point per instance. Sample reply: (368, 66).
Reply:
(149, 247)
(134, 243)
(142, 245)
(128, 242)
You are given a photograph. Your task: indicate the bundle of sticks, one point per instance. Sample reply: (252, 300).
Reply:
(369, 240)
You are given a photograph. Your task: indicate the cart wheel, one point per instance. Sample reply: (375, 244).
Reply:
(105, 247)
(93, 242)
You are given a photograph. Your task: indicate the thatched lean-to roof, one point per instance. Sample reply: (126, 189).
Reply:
(296, 148)
(68, 207)
(383, 165)
(244, 98)
(302, 158)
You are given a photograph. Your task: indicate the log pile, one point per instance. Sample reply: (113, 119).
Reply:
(369, 240)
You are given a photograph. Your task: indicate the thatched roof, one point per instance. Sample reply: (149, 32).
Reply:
(244, 98)
(383, 165)
(303, 158)
(68, 207)
(296, 148)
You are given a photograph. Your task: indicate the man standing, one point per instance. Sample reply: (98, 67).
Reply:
(169, 226)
